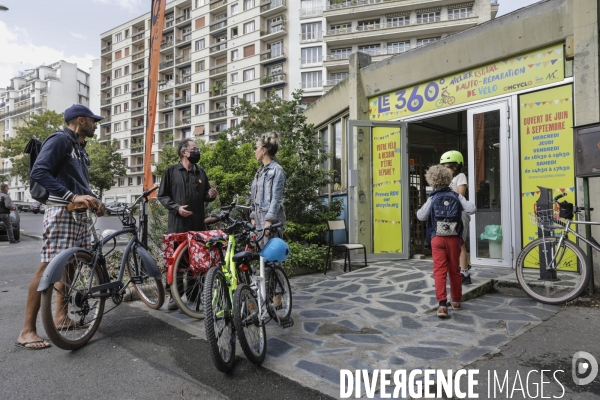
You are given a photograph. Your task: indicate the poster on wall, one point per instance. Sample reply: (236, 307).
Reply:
(546, 151)
(387, 191)
(537, 68)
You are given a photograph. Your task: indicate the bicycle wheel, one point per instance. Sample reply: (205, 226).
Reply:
(218, 321)
(451, 100)
(569, 275)
(69, 314)
(187, 288)
(151, 291)
(439, 103)
(250, 331)
(279, 293)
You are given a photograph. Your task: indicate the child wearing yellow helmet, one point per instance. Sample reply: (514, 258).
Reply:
(454, 161)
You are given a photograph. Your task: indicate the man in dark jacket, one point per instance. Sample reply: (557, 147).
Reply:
(6, 205)
(61, 230)
(183, 190)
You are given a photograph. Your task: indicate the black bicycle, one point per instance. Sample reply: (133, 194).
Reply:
(76, 283)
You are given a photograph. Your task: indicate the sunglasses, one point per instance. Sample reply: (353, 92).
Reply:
(257, 147)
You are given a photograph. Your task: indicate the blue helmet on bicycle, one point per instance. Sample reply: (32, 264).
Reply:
(276, 250)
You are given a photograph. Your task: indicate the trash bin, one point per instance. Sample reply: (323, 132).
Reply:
(493, 234)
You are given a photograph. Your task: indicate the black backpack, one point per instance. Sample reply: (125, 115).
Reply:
(445, 218)
(33, 148)
(3, 208)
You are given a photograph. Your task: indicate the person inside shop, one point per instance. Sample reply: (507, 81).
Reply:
(454, 161)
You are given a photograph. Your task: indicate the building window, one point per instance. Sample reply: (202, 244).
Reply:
(275, 92)
(126, 125)
(130, 181)
(200, 66)
(398, 47)
(248, 4)
(234, 78)
(233, 123)
(368, 25)
(249, 27)
(312, 31)
(248, 74)
(340, 54)
(423, 42)
(199, 44)
(125, 107)
(200, 3)
(235, 101)
(340, 28)
(126, 143)
(118, 37)
(428, 17)
(274, 69)
(234, 32)
(126, 33)
(117, 127)
(311, 55)
(121, 181)
(126, 70)
(200, 109)
(200, 22)
(372, 49)
(118, 73)
(117, 109)
(398, 21)
(200, 87)
(234, 9)
(139, 180)
(336, 78)
(312, 80)
(234, 55)
(463, 12)
(117, 90)
(276, 48)
(249, 51)
(249, 97)
(126, 88)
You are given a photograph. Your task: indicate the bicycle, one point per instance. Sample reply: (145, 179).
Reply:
(446, 99)
(553, 269)
(220, 286)
(76, 283)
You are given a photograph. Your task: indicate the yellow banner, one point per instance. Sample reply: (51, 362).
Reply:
(387, 191)
(533, 69)
(546, 151)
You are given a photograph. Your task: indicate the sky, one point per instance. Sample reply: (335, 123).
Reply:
(36, 32)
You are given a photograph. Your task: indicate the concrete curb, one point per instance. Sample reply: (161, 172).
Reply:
(36, 237)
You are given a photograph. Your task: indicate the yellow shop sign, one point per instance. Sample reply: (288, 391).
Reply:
(533, 69)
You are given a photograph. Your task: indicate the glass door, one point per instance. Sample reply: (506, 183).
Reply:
(489, 189)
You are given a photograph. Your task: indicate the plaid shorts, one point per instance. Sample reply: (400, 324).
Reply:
(61, 232)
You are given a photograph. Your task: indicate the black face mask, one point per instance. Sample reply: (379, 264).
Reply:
(194, 157)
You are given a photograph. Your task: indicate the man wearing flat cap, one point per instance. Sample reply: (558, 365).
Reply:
(62, 169)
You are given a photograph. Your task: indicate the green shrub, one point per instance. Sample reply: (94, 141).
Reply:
(312, 257)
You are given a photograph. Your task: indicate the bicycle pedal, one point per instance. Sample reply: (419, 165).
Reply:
(287, 322)
(138, 280)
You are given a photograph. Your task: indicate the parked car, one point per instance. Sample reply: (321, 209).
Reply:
(115, 208)
(42, 208)
(35, 207)
(15, 221)
(22, 206)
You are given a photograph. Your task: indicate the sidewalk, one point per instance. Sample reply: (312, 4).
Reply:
(383, 316)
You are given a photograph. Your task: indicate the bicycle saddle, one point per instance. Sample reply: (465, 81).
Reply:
(237, 257)
(216, 239)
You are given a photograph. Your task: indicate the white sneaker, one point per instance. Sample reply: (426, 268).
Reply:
(172, 306)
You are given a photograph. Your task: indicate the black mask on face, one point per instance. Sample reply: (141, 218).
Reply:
(194, 156)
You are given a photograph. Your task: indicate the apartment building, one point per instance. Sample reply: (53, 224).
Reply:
(53, 87)
(215, 53)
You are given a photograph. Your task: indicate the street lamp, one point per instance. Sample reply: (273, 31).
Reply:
(3, 7)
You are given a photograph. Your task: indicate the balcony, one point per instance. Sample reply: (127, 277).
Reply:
(169, 23)
(219, 26)
(138, 55)
(311, 61)
(184, 121)
(105, 84)
(182, 18)
(137, 111)
(273, 55)
(106, 120)
(311, 12)
(218, 70)
(218, 48)
(139, 130)
(179, 101)
(137, 93)
(184, 39)
(271, 7)
(360, 9)
(137, 37)
(166, 85)
(218, 5)
(182, 59)
(165, 125)
(332, 82)
(166, 104)
(183, 80)
(215, 93)
(311, 37)
(139, 74)
(273, 32)
(107, 66)
(273, 80)
(217, 114)
(136, 149)
(213, 136)
(166, 44)
(166, 64)
(136, 167)
(105, 102)
(106, 49)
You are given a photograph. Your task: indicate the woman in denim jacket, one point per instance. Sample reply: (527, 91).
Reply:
(266, 199)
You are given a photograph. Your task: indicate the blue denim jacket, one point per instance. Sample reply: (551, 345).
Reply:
(272, 194)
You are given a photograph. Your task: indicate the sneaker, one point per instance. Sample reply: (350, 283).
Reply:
(14, 241)
(172, 306)
(466, 279)
(442, 312)
(456, 305)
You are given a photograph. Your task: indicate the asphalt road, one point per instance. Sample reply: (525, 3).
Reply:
(132, 356)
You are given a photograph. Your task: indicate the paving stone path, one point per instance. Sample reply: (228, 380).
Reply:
(383, 316)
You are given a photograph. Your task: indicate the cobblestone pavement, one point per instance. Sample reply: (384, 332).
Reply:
(383, 316)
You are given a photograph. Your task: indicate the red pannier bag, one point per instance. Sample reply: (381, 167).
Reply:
(202, 258)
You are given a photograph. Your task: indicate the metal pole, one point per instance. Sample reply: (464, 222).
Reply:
(588, 231)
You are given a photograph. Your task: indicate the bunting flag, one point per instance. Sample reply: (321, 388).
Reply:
(386, 221)
(392, 182)
(562, 190)
(387, 136)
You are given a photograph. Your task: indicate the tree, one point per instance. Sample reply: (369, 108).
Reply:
(168, 156)
(105, 163)
(38, 126)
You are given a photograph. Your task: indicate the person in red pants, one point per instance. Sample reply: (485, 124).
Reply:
(443, 211)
